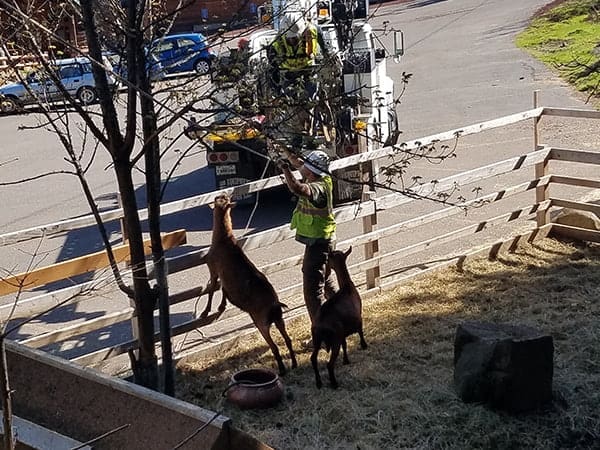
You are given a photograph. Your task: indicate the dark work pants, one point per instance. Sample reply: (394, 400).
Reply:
(317, 280)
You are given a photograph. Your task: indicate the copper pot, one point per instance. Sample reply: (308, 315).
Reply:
(255, 388)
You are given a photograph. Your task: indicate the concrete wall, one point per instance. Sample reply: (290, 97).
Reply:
(83, 404)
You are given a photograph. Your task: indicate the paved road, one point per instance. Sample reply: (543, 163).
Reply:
(465, 69)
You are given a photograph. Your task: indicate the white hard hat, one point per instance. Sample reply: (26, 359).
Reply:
(317, 162)
(292, 24)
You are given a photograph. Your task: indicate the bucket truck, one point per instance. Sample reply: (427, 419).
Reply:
(354, 110)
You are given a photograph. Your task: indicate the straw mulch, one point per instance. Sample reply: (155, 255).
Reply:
(398, 393)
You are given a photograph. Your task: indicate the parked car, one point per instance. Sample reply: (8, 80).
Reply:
(119, 65)
(75, 75)
(183, 53)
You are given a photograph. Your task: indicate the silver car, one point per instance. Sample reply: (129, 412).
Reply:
(75, 75)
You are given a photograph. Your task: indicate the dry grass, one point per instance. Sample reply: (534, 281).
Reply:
(398, 393)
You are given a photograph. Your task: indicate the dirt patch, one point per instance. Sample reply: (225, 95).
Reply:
(398, 393)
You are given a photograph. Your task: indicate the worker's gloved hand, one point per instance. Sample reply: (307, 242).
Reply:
(283, 164)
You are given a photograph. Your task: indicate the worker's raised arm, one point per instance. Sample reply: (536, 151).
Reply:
(295, 186)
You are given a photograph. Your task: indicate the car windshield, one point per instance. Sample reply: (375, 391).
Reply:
(162, 46)
(69, 71)
(37, 75)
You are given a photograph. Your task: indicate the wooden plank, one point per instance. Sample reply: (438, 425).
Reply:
(579, 156)
(283, 264)
(576, 205)
(575, 181)
(78, 266)
(456, 234)
(51, 337)
(444, 213)
(485, 251)
(73, 294)
(119, 349)
(472, 176)
(572, 112)
(580, 234)
(57, 227)
(445, 136)
(117, 384)
(101, 322)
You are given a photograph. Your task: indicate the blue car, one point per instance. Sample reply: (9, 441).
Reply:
(183, 53)
(119, 65)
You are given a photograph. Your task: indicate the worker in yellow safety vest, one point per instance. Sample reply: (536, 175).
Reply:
(313, 221)
(297, 45)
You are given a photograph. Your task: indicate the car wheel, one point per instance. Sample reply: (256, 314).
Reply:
(87, 95)
(9, 105)
(202, 66)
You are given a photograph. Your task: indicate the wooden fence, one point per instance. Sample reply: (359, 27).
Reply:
(370, 270)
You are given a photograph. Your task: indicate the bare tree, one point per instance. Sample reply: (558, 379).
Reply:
(131, 138)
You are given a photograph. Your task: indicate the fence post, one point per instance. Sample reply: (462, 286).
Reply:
(371, 248)
(541, 170)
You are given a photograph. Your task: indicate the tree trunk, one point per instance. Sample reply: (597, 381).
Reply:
(153, 190)
(146, 367)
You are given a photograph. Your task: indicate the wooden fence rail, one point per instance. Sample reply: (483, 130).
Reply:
(366, 210)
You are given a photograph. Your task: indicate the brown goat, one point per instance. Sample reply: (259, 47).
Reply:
(241, 282)
(337, 318)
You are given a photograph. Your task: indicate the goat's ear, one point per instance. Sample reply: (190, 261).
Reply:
(348, 252)
(211, 205)
(232, 204)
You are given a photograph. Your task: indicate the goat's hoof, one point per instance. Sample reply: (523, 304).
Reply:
(346, 361)
(334, 385)
(282, 371)
(204, 314)
(294, 364)
(319, 384)
(363, 345)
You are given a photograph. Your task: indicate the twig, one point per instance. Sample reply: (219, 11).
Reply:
(102, 436)
(199, 430)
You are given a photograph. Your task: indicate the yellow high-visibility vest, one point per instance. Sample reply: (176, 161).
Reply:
(296, 58)
(312, 222)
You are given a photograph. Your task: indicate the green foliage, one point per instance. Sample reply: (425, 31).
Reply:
(573, 8)
(566, 38)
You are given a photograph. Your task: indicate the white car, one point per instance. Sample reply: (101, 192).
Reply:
(75, 74)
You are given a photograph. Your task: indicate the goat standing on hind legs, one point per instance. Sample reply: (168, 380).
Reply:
(241, 282)
(337, 318)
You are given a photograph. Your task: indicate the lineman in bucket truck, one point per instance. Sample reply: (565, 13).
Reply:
(313, 221)
(292, 58)
(294, 51)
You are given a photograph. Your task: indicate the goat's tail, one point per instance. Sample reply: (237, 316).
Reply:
(276, 312)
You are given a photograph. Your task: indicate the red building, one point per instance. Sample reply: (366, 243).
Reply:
(201, 13)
